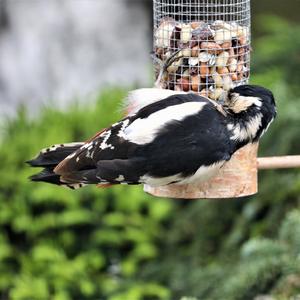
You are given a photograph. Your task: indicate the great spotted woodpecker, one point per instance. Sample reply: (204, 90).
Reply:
(178, 138)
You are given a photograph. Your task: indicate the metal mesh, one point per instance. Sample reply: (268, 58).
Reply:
(201, 45)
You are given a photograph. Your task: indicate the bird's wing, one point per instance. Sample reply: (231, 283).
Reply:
(141, 144)
(140, 98)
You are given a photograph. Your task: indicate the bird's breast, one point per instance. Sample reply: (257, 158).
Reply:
(203, 173)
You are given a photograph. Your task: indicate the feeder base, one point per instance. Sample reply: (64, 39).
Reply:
(237, 178)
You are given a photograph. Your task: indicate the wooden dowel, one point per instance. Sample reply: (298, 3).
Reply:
(278, 162)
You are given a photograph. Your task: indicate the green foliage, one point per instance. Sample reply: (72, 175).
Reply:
(61, 244)
(248, 247)
(121, 243)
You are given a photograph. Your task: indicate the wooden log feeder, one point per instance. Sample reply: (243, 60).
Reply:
(237, 178)
(204, 47)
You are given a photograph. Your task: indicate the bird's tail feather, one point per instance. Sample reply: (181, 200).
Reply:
(48, 159)
(53, 155)
(46, 175)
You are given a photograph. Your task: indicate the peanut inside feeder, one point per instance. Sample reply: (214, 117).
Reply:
(206, 58)
(204, 47)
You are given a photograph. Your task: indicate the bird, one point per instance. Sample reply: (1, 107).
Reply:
(172, 137)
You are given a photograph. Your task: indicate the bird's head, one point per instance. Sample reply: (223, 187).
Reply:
(244, 97)
(254, 108)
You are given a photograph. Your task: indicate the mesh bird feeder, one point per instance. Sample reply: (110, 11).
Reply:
(204, 46)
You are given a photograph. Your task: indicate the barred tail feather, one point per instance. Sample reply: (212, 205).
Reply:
(53, 155)
(48, 159)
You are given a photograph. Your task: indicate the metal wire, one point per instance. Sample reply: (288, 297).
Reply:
(202, 45)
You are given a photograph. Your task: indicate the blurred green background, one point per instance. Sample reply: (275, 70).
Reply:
(122, 244)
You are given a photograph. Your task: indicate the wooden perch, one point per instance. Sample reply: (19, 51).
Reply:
(237, 178)
(278, 162)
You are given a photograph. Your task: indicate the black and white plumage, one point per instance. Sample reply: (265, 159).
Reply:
(180, 138)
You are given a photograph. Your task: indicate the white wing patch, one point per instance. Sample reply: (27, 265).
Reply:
(121, 133)
(143, 97)
(104, 145)
(143, 131)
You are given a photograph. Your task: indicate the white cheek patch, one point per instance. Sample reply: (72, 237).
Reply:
(248, 130)
(239, 133)
(143, 131)
(253, 125)
(242, 103)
